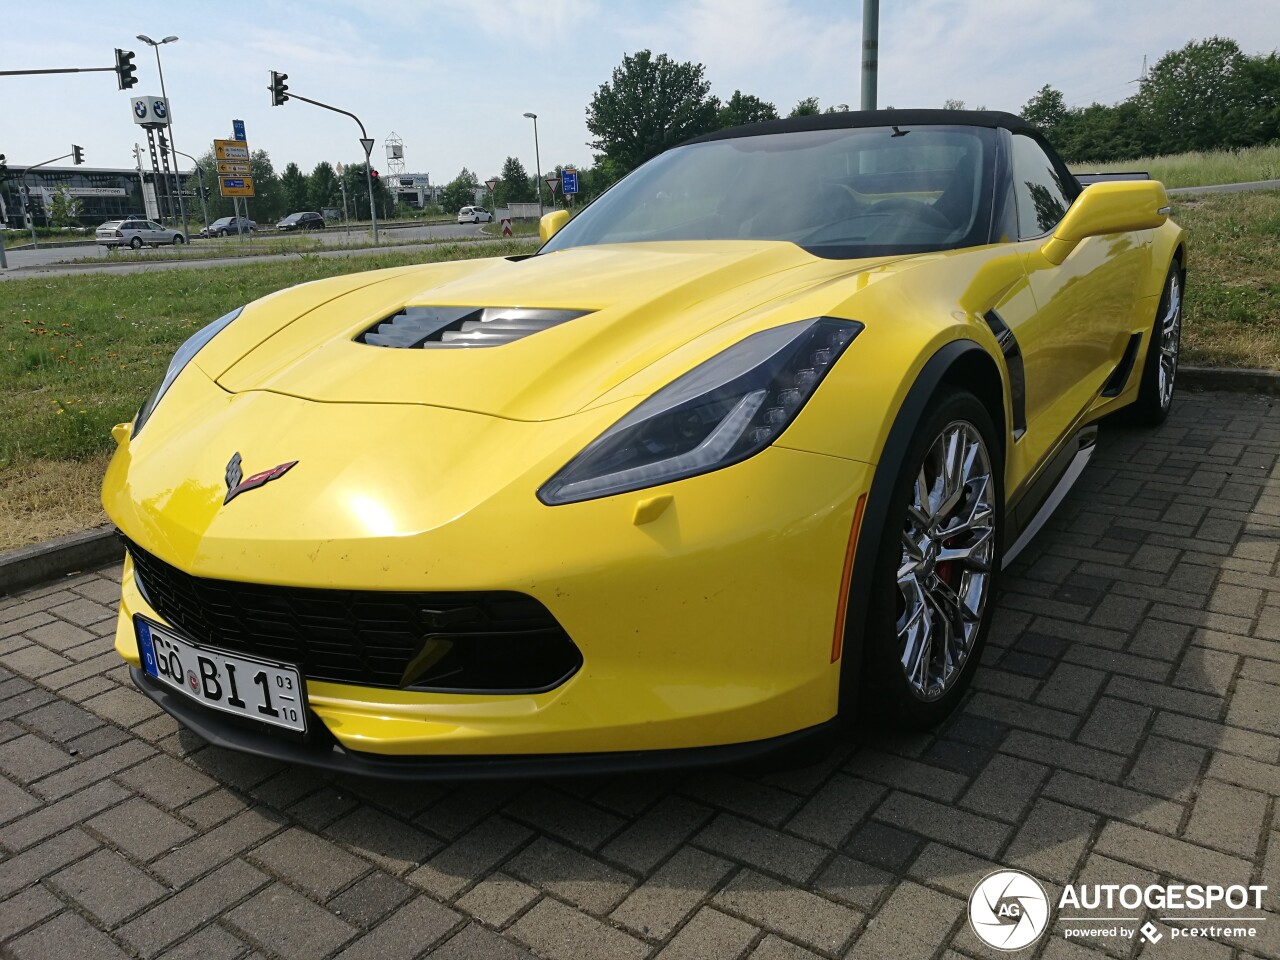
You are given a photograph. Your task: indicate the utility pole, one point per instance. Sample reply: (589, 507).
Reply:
(870, 51)
(26, 195)
(177, 175)
(279, 94)
(537, 162)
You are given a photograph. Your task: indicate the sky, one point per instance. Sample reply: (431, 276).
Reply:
(453, 78)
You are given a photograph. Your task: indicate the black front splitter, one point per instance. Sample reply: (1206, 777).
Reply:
(327, 754)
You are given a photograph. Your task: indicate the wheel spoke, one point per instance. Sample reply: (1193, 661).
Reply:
(972, 554)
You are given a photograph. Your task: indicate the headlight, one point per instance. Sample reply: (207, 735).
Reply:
(180, 359)
(721, 412)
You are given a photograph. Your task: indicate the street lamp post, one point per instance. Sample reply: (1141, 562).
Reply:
(177, 176)
(537, 160)
(204, 211)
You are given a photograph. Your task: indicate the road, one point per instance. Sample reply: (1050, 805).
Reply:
(1122, 730)
(52, 256)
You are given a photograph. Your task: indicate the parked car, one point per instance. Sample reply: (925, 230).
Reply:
(229, 227)
(136, 234)
(474, 215)
(694, 482)
(302, 221)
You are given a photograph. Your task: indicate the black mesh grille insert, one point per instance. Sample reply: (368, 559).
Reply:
(430, 327)
(493, 641)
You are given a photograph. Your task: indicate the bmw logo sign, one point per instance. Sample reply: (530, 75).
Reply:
(140, 108)
(159, 108)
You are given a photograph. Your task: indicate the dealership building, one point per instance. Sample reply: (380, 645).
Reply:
(100, 194)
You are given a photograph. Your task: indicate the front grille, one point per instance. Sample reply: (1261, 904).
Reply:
(490, 641)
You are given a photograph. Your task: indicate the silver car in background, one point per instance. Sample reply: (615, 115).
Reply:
(136, 234)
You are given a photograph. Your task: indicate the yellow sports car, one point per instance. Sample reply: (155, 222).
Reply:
(738, 455)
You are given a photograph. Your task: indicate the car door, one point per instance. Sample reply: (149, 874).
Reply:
(1076, 334)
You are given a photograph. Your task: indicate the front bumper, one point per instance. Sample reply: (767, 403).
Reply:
(708, 624)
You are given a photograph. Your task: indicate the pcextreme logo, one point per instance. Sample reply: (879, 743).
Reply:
(1008, 910)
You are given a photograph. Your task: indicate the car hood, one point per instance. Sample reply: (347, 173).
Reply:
(632, 305)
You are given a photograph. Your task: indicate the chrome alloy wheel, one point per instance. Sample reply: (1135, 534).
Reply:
(948, 548)
(1170, 336)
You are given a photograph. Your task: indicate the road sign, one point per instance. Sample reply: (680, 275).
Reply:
(150, 111)
(569, 181)
(234, 167)
(235, 186)
(506, 226)
(552, 183)
(230, 150)
(367, 144)
(492, 184)
(237, 130)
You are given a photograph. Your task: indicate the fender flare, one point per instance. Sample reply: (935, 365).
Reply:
(909, 416)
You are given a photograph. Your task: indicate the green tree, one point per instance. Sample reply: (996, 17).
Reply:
(950, 104)
(460, 192)
(64, 210)
(294, 188)
(322, 187)
(650, 104)
(744, 108)
(514, 184)
(267, 203)
(355, 176)
(808, 107)
(1192, 95)
(1046, 110)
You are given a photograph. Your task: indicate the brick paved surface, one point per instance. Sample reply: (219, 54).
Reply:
(1124, 728)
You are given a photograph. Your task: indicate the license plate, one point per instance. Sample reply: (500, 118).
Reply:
(262, 690)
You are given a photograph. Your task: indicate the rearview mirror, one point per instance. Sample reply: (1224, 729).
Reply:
(1113, 206)
(551, 223)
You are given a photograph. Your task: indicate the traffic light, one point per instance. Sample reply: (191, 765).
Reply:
(279, 89)
(164, 146)
(374, 174)
(125, 69)
(4, 166)
(77, 154)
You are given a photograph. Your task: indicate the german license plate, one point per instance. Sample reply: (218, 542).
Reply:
(262, 690)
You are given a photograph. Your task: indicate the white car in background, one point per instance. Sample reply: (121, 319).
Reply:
(474, 215)
(136, 234)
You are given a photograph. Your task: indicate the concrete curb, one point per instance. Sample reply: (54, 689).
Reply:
(40, 562)
(1231, 379)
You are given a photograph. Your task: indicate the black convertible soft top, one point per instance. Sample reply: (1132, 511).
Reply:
(873, 118)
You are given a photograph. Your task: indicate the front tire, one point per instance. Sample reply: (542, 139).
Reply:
(936, 568)
(178, 240)
(1155, 395)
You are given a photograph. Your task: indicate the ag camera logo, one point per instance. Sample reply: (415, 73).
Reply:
(1008, 910)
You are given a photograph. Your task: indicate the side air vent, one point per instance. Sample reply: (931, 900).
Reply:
(432, 327)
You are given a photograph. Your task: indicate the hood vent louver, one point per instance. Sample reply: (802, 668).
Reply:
(432, 327)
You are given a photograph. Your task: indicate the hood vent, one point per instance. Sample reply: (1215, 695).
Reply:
(431, 327)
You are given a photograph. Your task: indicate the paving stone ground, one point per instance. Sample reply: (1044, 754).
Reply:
(1125, 728)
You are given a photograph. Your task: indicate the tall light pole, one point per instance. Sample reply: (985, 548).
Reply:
(537, 159)
(177, 175)
(870, 52)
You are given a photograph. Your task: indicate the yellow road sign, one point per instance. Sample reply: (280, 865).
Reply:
(230, 150)
(234, 167)
(235, 186)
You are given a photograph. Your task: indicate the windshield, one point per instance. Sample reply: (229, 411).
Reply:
(858, 192)
(292, 218)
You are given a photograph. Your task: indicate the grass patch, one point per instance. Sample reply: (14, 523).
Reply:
(1198, 168)
(78, 355)
(1233, 279)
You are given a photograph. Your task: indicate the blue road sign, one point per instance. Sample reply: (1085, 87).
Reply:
(569, 181)
(232, 183)
(237, 127)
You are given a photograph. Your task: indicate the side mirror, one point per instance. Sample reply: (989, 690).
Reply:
(551, 223)
(1112, 206)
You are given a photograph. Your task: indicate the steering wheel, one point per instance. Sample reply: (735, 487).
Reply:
(914, 208)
